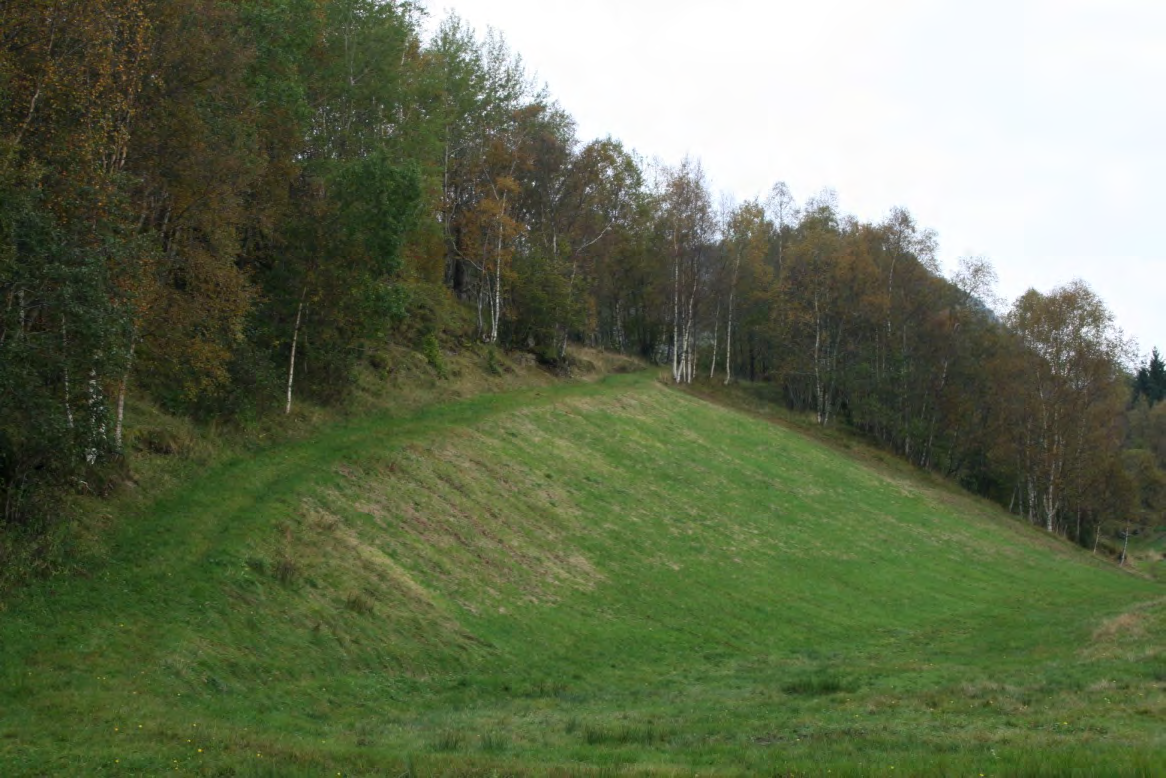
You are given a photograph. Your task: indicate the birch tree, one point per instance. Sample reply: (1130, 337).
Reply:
(689, 228)
(1074, 357)
(71, 77)
(782, 210)
(747, 239)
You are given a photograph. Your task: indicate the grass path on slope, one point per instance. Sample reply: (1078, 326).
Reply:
(91, 647)
(600, 576)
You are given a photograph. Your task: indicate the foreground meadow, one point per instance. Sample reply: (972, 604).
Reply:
(604, 578)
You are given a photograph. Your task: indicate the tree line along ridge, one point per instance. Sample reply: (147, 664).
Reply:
(218, 206)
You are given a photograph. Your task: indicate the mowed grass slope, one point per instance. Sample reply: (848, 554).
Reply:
(593, 578)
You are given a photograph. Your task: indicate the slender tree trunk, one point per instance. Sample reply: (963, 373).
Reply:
(1051, 496)
(620, 337)
(496, 301)
(496, 297)
(690, 337)
(716, 332)
(65, 360)
(818, 362)
(564, 327)
(1032, 500)
(446, 216)
(676, 346)
(928, 450)
(121, 395)
(97, 425)
(732, 311)
(40, 84)
(729, 342)
(291, 367)
(482, 285)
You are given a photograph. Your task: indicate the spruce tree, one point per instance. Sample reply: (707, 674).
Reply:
(1156, 379)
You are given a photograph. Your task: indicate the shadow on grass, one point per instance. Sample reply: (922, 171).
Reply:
(819, 684)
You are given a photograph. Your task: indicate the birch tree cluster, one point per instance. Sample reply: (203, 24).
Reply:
(218, 207)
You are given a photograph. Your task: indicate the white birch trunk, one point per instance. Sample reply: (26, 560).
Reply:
(729, 342)
(676, 317)
(496, 303)
(97, 428)
(818, 361)
(690, 339)
(121, 395)
(1052, 498)
(496, 297)
(692, 334)
(291, 368)
(716, 332)
(729, 320)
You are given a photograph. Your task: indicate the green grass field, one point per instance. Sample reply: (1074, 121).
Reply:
(596, 578)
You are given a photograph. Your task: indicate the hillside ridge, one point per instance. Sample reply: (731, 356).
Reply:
(575, 578)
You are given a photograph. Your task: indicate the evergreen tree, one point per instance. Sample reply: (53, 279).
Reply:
(1157, 378)
(1150, 380)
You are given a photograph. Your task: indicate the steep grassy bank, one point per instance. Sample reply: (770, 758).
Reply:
(167, 449)
(588, 577)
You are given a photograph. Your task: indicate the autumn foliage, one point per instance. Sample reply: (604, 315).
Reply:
(218, 205)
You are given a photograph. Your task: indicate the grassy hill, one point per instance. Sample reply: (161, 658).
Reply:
(592, 578)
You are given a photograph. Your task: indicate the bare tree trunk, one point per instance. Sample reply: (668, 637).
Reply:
(818, 363)
(482, 282)
(65, 360)
(291, 368)
(716, 332)
(675, 316)
(97, 428)
(620, 337)
(1051, 497)
(40, 84)
(690, 338)
(496, 298)
(121, 395)
(729, 320)
(449, 240)
(496, 301)
(729, 342)
(928, 450)
(564, 328)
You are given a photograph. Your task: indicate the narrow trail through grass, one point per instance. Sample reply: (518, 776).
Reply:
(594, 577)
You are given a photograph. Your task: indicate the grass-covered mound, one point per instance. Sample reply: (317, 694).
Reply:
(596, 577)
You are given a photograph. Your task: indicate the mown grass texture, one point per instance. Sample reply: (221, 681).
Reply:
(605, 578)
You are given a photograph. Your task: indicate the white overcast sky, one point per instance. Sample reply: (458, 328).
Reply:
(1032, 132)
